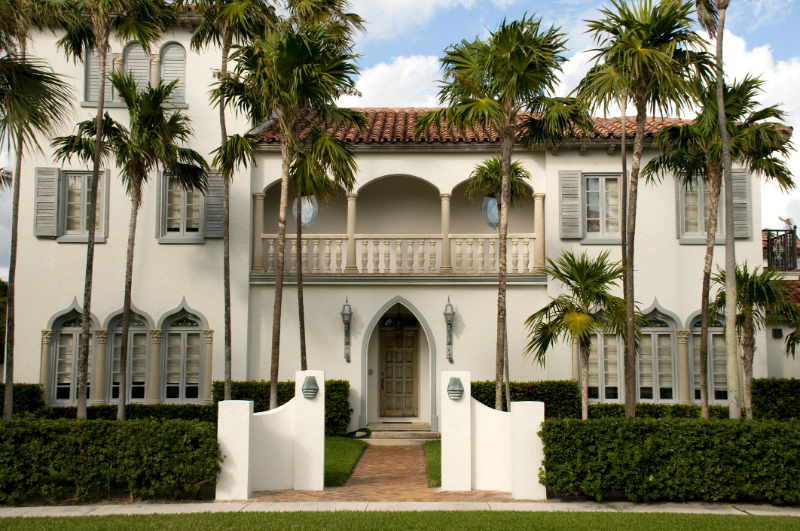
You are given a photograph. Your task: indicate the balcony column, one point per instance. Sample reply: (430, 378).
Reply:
(538, 228)
(684, 396)
(99, 380)
(258, 227)
(154, 385)
(155, 69)
(117, 66)
(351, 234)
(44, 374)
(446, 267)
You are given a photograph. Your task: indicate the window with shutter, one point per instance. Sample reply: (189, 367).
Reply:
(173, 67)
(694, 208)
(92, 78)
(45, 220)
(213, 206)
(741, 204)
(137, 62)
(570, 204)
(180, 213)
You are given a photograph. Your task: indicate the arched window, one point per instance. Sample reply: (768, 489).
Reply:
(173, 67)
(138, 336)
(137, 62)
(92, 81)
(717, 361)
(604, 368)
(183, 360)
(656, 371)
(65, 361)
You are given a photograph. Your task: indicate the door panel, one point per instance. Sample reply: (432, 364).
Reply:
(399, 362)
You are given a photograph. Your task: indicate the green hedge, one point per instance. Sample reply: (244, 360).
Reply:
(337, 400)
(46, 457)
(776, 398)
(656, 411)
(137, 412)
(28, 398)
(562, 398)
(673, 459)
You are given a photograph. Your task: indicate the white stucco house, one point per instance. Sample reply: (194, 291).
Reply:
(404, 242)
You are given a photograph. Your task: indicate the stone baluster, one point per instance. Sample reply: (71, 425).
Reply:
(376, 256)
(209, 334)
(304, 255)
(684, 385)
(410, 255)
(44, 369)
(294, 256)
(99, 380)
(398, 255)
(538, 228)
(364, 256)
(154, 385)
(514, 255)
(432, 266)
(271, 255)
(525, 256)
(258, 227)
(326, 257)
(351, 234)
(316, 256)
(458, 255)
(469, 256)
(387, 265)
(481, 269)
(421, 256)
(492, 261)
(339, 256)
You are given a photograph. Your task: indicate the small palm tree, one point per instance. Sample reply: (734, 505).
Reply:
(694, 151)
(762, 299)
(156, 138)
(588, 310)
(506, 84)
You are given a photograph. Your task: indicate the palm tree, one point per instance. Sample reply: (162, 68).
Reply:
(505, 84)
(588, 310)
(293, 74)
(33, 101)
(225, 22)
(89, 25)
(154, 141)
(656, 51)
(487, 177)
(762, 299)
(694, 151)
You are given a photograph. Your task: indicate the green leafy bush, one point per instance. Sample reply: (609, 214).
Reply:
(776, 398)
(137, 412)
(656, 411)
(42, 456)
(562, 398)
(28, 398)
(337, 400)
(673, 459)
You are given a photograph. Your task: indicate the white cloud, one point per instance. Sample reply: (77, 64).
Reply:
(387, 20)
(405, 82)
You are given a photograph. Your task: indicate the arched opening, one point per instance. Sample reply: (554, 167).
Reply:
(717, 360)
(656, 362)
(398, 204)
(138, 359)
(64, 365)
(332, 217)
(466, 217)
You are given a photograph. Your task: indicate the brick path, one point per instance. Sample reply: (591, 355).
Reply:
(385, 474)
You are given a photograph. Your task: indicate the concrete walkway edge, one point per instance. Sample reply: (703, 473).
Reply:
(232, 507)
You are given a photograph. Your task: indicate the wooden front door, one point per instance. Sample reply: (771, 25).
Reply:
(399, 373)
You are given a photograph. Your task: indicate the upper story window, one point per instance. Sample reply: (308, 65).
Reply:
(696, 209)
(173, 68)
(77, 190)
(183, 210)
(183, 367)
(602, 205)
(62, 200)
(137, 360)
(189, 216)
(92, 80)
(604, 368)
(590, 206)
(65, 361)
(137, 62)
(717, 368)
(656, 363)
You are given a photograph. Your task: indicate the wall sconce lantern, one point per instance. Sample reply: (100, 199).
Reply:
(310, 387)
(449, 317)
(454, 389)
(347, 315)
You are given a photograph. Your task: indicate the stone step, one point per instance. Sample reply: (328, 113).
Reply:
(405, 435)
(395, 442)
(399, 426)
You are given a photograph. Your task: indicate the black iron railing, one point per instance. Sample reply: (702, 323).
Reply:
(780, 249)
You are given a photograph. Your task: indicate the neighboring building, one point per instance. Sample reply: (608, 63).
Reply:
(396, 249)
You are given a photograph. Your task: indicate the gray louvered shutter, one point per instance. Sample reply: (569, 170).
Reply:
(46, 201)
(137, 62)
(570, 202)
(741, 204)
(92, 81)
(213, 206)
(173, 67)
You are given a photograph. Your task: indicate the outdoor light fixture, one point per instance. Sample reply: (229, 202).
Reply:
(449, 316)
(347, 314)
(310, 387)
(454, 389)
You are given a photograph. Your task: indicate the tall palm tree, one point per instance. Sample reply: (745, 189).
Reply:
(654, 47)
(505, 83)
(292, 74)
(487, 177)
(225, 22)
(33, 101)
(693, 151)
(89, 26)
(588, 310)
(762, 299)
(156, 138)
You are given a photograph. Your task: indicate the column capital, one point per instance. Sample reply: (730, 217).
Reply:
(209, 335)
(155, 59)
(352, 195)
(259, 195)
(683, 335)
(47, 335)
(155, 336)
(445, 195)
(101, 335)
(538, 197)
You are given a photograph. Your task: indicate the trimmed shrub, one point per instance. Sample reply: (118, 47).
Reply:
(673, 459)
(42, 456)
(28, 398)
(656, 411)
(776, 398)
(337, 400)
(137, 412)
(562, 398)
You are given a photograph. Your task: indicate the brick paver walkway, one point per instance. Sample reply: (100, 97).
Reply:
(385, 474)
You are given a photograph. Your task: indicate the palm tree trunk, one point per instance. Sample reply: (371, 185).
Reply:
(714, 179)
(86, 326)
(300, 308)
(734, 394)
(226, 241)
(630, 373)
(506, 149)
(630, 228)
(505, 364)
(584, 380)
(279, 267)
(8, 399)
(126, 308)
(748, 350)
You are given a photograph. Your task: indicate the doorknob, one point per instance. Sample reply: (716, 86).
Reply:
(382, 378)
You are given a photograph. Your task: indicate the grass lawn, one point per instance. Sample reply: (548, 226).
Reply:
(433, 462)
(389, 521)
(341, 455)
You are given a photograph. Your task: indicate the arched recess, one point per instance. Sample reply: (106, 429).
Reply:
(74, 306)
(332, 217)
(139, 355)
(399, 204)
(136, 61)
(173, 68)
(657, 363)
(183, 306)
(113, 316)
(185, 356)
(466, 217)
(62, 381)
(694, 320)
(656, 309)
(362, 416)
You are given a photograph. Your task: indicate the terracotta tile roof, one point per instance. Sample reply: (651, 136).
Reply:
(396, 126)
(793, 287)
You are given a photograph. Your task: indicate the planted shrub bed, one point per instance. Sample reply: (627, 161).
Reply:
(137, 412)
(673, 459)
(52, 457)
(562, 398)
(27, 398)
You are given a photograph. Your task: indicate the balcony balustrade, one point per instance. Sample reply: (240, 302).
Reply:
(780, 249)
